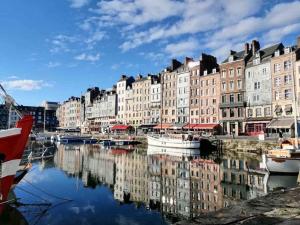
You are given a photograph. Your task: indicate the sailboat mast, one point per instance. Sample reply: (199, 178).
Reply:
(295, 104)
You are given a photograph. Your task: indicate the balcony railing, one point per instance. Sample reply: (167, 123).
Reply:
(232, 104)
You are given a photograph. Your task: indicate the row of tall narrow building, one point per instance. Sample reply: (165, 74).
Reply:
(252, 90)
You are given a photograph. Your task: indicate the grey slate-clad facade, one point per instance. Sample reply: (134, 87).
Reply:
(259, 88)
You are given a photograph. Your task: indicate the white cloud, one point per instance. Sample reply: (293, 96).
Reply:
(88, 57)
(61, 43)
(25, 85)
(95, 38)
(183, 48)
(78, 3)
(277, 34)
(53, 64)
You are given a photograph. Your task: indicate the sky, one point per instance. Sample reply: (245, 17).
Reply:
(54, 49)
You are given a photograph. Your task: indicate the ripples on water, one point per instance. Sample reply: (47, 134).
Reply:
(117, 186)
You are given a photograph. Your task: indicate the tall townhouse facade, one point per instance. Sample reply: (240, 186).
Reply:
(104, 110)
(68, 113)
(232, 90)
(205, 91)
(141, 100)
(155, 101)
(88, 123)
(121, 92)
(259, 88)
(129, 105)
(169, 87)
(183, 92)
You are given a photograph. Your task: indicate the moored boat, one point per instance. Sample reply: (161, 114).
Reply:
(13, 142)
(286, 159)
(174, 141)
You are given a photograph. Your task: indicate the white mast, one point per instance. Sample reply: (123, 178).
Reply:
(295, 103)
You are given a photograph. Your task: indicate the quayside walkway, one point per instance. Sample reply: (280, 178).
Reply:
(277, 208)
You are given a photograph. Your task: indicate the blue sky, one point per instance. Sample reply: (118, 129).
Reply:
(53, 49)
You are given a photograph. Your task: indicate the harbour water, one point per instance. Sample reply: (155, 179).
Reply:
(90, 184)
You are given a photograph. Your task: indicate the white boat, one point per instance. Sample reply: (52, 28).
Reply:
(283, 160)
(183, 142)
(155, 150)
(282, 164)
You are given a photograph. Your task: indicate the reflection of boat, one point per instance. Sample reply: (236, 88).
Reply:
(153, 150)
(172, 141)
(279, 181)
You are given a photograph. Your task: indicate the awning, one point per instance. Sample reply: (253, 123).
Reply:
(178, 126)
(288, 108)
(203, 126)
(121, 127)
(146, 126)
(162, 126)
(281, 123)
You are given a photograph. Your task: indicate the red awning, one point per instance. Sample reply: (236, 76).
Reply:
(203, 126)
(120, 127)
(162, 126)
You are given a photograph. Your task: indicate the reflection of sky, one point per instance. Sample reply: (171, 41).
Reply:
(89, 206)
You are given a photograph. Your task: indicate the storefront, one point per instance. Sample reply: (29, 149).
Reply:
(255, 126)
(281, 128)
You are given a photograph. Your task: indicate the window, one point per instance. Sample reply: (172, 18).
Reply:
(256, 85)
(250, 112)
(223, 73)
(288, 94)
(258, 111)
(224, 86)
(288, 79)
(287, 65)
(224, 114)
(231, 85)
(239, 71)
(277, 81)
(267, 111)
(276, 67)
(231, 72)
(231, 112)
(240, 98)
(276, 95)
(256, 61)
(240, 112)
(231, 97)
(239, 84)
(255, 98)
(264, 71)
(223, 98)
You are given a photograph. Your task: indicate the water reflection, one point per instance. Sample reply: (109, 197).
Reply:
(177, 185)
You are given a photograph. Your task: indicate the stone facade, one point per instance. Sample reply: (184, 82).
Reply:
(155, 102)
(68, 113)
(169, 87)
(121, 92)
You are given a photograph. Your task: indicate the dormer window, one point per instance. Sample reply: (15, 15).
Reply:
(230, 58)
(256, 61)
(214, 70)
(257, 54)
(287, 50)
(277, 53)
(205, 72)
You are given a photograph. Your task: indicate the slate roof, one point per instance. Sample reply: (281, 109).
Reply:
(236, 56)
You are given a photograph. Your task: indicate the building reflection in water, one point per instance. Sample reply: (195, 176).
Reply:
(175, 184)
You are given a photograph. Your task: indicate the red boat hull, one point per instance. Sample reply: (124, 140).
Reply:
(11, 150)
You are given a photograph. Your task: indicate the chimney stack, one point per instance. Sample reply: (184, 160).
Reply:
(246, 48)
(255, 46)
(232, 52)
(187, 60)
